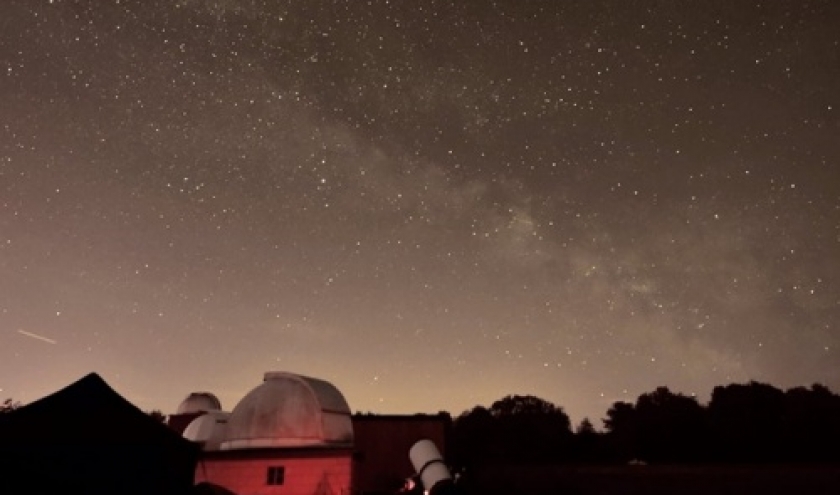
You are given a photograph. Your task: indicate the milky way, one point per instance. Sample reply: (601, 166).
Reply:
(430, 204)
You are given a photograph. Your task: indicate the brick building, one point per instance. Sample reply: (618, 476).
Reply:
(294, 435)
(290, 435)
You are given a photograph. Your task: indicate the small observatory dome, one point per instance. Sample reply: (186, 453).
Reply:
(289, 410)
(199, 402)
(208, 429)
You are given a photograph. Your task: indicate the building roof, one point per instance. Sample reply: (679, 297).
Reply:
(290, 410)
(208, 429)
(199, 402)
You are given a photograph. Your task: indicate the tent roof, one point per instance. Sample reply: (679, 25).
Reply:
(89, 437)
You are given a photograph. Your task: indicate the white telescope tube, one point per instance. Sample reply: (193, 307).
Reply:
(429, 464)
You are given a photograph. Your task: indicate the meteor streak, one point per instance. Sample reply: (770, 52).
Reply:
(38, 337)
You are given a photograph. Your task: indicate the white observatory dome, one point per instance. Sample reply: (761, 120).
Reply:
(208, 429)
(289, 410)
(199, 402)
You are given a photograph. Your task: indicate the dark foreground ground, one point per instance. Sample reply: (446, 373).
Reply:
(655, 480)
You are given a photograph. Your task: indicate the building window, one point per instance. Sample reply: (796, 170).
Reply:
(276, 475)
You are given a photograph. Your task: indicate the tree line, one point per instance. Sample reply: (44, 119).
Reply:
(742, 423)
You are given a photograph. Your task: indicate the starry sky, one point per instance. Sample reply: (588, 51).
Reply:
(431, 204)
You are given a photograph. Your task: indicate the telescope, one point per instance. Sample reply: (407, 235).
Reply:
(431, 469)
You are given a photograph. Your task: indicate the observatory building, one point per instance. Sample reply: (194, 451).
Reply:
(290, 435)
(294, 435)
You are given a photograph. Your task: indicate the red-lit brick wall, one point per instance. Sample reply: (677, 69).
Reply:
(309, 474)
(382, 443)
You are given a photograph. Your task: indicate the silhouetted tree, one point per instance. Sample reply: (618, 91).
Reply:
(585, 427)
(622, 428)
(157, 415)
(532, 429)
(513, 429)
(9, 405)
(527, 405)
(588, 443)
(810, 424)
(670, 427)
(473, 435)
(660, 427)
(746, 422)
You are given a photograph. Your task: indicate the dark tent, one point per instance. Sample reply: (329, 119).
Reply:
(87, 439)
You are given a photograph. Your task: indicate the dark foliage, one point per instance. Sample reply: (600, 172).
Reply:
(661, 427)
(9, 405)
(757, 422)
(514, 429)
(157, 415)
(743, 423)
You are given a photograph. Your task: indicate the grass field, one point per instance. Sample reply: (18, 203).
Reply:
(655, 480)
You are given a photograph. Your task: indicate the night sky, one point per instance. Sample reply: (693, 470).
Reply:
(431, 204)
